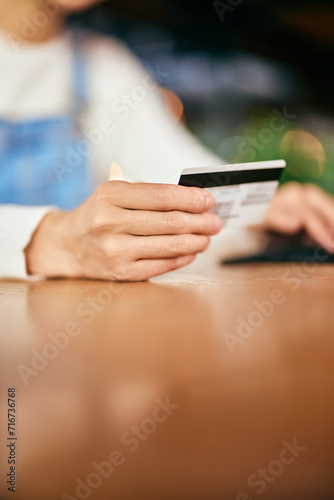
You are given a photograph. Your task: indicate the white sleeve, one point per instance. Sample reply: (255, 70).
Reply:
(17, 225)
(146, 142)
(154, 148)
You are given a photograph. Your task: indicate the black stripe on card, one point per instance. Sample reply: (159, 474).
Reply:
(231, 178)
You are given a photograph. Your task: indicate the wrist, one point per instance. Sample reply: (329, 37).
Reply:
(49, 251)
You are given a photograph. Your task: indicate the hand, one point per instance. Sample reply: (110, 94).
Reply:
(126, 232)
(296, 207)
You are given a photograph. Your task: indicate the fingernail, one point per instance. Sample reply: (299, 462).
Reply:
(209, 201)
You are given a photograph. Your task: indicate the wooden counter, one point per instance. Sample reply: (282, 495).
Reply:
(215, 385)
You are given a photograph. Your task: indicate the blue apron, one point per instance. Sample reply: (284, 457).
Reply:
(44, 161)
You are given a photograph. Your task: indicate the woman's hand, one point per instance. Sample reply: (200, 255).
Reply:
(296, 207)
(126, 232)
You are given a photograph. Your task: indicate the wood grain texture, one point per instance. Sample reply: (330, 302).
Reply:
(244, 354)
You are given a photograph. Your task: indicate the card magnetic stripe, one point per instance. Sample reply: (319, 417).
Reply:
(230, 178)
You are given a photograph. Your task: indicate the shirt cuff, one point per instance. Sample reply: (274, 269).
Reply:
(17, 225)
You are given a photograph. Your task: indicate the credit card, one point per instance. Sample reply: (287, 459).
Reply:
(242, 191)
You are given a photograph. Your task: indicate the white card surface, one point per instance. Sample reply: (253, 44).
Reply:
(243, 191)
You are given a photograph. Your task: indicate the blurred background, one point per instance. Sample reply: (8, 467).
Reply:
(253, 79)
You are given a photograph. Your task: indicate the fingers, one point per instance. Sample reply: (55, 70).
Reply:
(320, 203)
(160, 197)
(164, 247)
(128, 248)
(285, 211)
(283, 221)
(137, 258)
(308, 207)
(318, 216)
(145, 223)
(142, 270)
(136, 231)
(317, 227)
